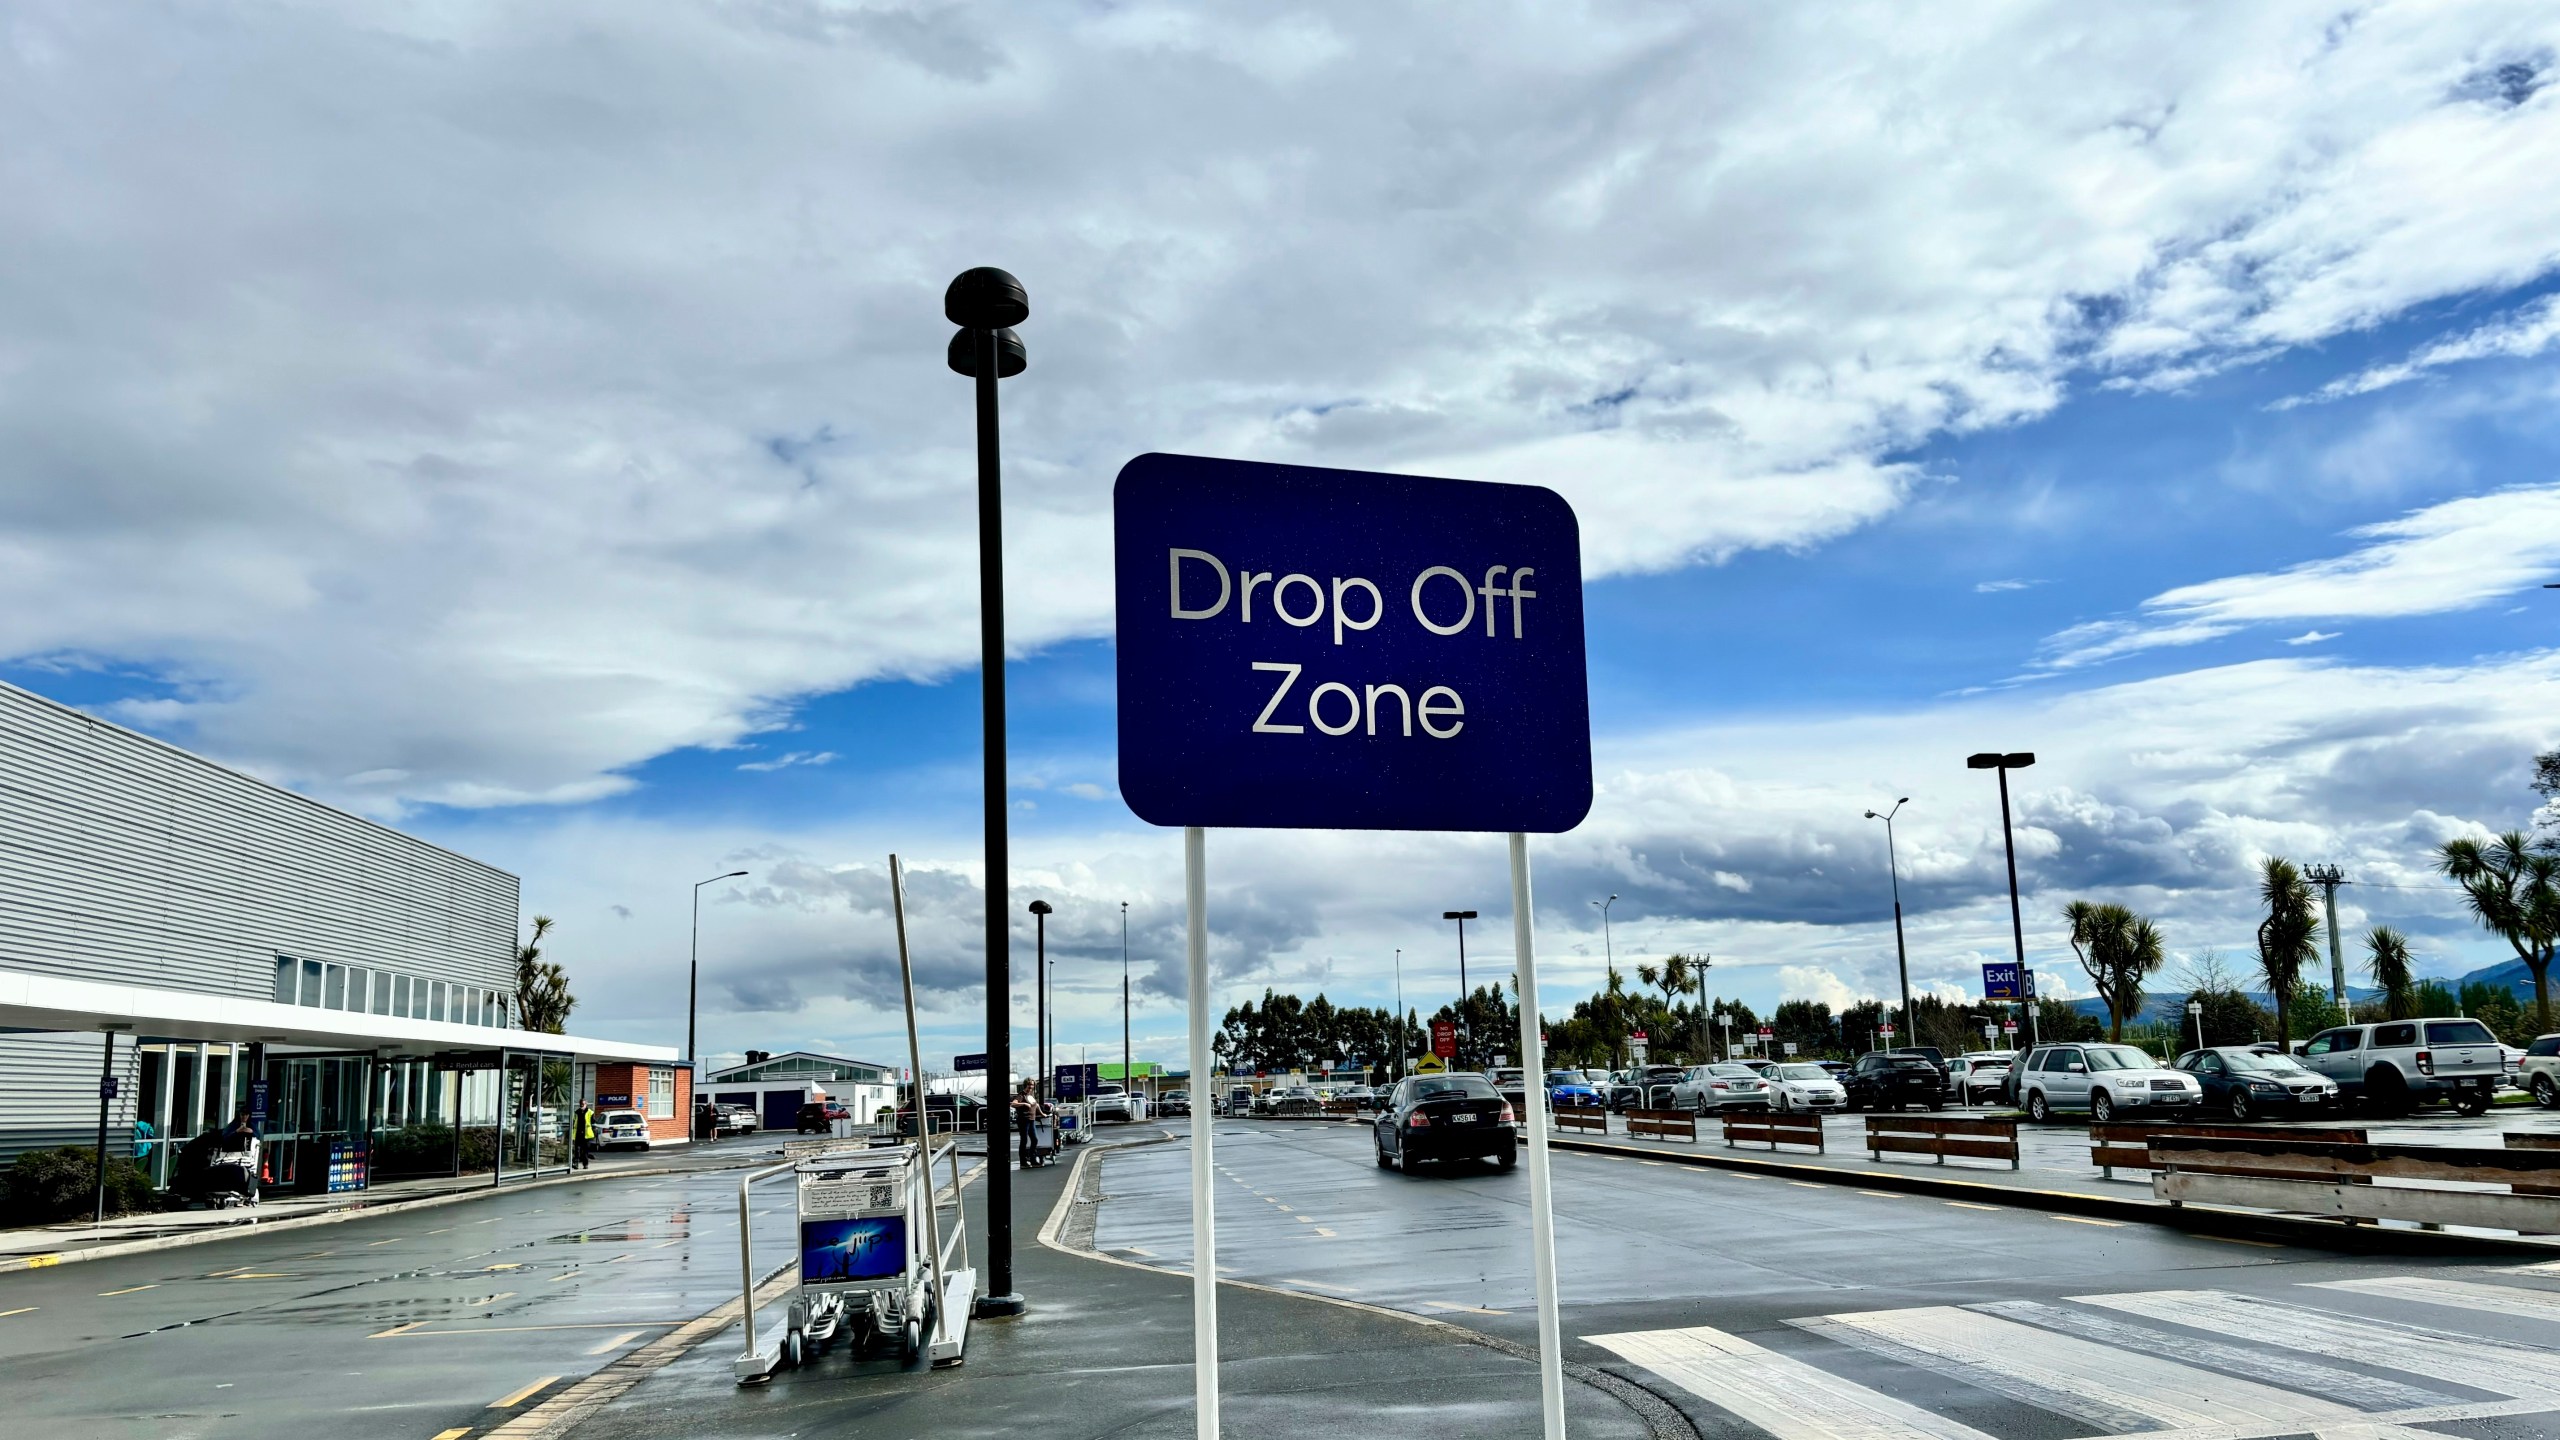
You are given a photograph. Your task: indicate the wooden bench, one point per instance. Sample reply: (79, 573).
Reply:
(1773, 1129)
(1940, 1136)
(1586, 1121)
(1663, 1124)
(2336, 1181)
(1340, 1107)
(2127, 1146)
(2533, 1140)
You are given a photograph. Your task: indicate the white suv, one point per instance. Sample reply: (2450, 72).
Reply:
(2539, 1071)
(2106, 1080)
(2398, 1064)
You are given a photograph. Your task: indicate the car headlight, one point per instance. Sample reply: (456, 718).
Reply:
(2269, 1086)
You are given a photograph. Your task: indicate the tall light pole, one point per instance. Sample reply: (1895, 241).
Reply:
(1040, 913)
(693, 968)
(1128, 1072)
(1465, 1031)
(1401, 1045)
(1893, 867)
(1610, 951)
(986, 303)
(2004, 763)
(2329, 878)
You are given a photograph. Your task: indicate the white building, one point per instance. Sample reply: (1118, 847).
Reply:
(775, 1086)
(213, 944)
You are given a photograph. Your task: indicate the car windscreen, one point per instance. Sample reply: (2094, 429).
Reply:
(1909, 1062)
(1443, 1087)
(1744, 1071)
(2257, 1064)
(1803, 1072)
(2119, 1057)
(622, 1117)
(1565, 1077)
(2459, 1032)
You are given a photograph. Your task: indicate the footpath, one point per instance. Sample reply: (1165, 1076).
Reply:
(1106, 1349)
(34, 1247)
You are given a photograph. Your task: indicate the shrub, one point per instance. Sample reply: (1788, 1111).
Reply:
(46, 1187)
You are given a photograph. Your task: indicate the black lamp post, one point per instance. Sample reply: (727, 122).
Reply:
(2014, 760)
(693, 968)
(1893, 867)
(1465, 1031)
(1128, 1070)
(1040, 913)
(986, 303)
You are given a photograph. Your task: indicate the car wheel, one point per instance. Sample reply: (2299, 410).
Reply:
(2386, 1091)
(1383, 1162)
(1783, 1102)
(2239, 1104)
(2037, 1110)
(1508, 1159)
(2473, 1102)
(2545, 1093)
(2102, 1108)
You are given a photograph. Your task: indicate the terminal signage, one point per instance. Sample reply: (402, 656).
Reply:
(2000, 981)
(1347, 650)
(1444, 1039)
(965, 1064)
(1074, 1082)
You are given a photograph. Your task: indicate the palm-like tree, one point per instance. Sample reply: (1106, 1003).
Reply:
(2387, 961)
(2120, 950)
(543, 1001)
(1673, 976)
(2287, 938)
(2513, 885)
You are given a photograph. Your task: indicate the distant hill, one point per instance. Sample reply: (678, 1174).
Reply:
(2162, 1008)
(2508, 973)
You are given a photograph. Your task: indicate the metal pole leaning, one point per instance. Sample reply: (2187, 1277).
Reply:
(1542, 1219)
(924, 1130)
(1204, 1219)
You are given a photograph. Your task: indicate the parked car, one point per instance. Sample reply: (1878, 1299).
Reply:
(2540, 1071)
(2107, 1080)
(2246, 1085)
(1361, 1097)
(620, 1130)
(739, 1120)
(1726, 1086)
(2513, 1076)
(1446, 1117)
(2395, 1065)
(813, 1118)
(1511, 1085)
(1239, 1101)
(1568, 1090)
(1114, 1102)
(1174, 1102)
(1979, 1076)
(1294, 1100)
(1805, 1086)
(1647, 1087)
(1891, 1079)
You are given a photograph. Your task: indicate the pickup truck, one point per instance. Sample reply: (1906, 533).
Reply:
(2396, 1065)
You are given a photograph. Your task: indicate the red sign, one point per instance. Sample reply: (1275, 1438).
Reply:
(1884, 1029)
(1764, 1032)
(1638, 1037)
(1444, 1039)
(2009, 1025)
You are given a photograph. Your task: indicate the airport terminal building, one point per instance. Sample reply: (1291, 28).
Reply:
(190, 943)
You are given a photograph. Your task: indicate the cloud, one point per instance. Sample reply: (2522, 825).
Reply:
(1995, 587)
(479, 403)
(2312, 637)
(2525, 331)
(2452, 556)
(1812, 982)
(796, 757)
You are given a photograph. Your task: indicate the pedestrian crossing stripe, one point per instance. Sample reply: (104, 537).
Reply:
(2157, 1380)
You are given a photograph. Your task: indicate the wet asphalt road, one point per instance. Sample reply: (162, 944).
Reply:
(404, 1325)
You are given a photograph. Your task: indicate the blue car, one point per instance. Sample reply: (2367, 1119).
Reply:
(1568, 1090)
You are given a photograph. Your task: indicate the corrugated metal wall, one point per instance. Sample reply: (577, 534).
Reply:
(126, 860)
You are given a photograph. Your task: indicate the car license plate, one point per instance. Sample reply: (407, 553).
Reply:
(1462, 1119)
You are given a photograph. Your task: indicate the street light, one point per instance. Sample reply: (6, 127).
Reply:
(1403, 1041)
(1462, 917)
(1040, 913)
(1893, 868)
(986, 303)
(1128, 1073)
(693, 969)
(2004, 763)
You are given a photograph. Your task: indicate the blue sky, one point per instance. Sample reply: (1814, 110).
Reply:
(598, 505)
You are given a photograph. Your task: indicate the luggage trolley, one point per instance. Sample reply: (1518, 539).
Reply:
(868, 1269)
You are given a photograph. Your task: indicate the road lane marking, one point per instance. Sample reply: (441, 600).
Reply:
(218, 1274)
(492, 1220)
(257, 1275)
(2459, 1294)
(2365, 1392)
(129, 1290)
(1321, 1285)
(456, 1433)
(527, 1393)
(2089, 1381)
(394, 1240)
(408, 1333)
(1805, 1184)
(1969, 1205)
(504, 1265)
(2497, 1366)
(1784, 1396)
(1453, 1305)
(571, 1275)
(2085, 1220)
(616, 1343)
(440, 1232)
(1134, 1250)
(21, 1310)
(1304, 1219)
(2237, 1240)
(1326, 1234)
(395, 1330)
(670, 1244)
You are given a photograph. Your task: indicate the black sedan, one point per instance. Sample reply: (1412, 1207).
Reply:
(1645, 1086)
(1447, 1117)
(2246, 1084)
(1890, 1079)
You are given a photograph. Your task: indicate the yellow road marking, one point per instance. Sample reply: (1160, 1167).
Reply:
(527, 1393)
(456, 1433)
(571, 1275)
(616, 1343)
(508, 1265)
(38, 1262)
(395, 1330)
(21, 1310)
(1969, 1205)
(128, 1290)
(618, 1259)
(218, 1274)
(2085, 1220)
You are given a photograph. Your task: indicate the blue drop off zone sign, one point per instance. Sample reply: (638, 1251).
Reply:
(1334, 649)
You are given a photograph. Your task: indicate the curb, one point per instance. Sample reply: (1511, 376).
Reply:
(16, 1263)
(2299, 1231)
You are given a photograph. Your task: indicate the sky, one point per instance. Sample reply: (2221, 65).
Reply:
(528, 427)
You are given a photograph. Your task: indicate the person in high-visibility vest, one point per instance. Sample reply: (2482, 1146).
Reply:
(586, 1135)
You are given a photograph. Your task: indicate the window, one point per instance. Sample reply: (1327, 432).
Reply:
(2547, 1045)
(2459, 1032)
(359, 979)
(2387, 1037)
(286, 971)
(2320, 1045)
(489, 1007)
(435, 1001)
(400, 996)
(381, 988)
(333, 987)
(310, 983)
(662, 1094)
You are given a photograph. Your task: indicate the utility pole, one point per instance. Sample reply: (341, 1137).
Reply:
(2004, 763)
(1128, 1073)
(2329, 878)
(1401, 1046)
(1466, 1032)
(1893, 867)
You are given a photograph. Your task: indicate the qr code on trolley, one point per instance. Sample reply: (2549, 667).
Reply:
(884, 1194)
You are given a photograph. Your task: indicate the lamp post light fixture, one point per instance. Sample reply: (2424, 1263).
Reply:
(1465, 1031)
(2004, 763)
(693, 967)
(1893, 868)
(986, 303)
(1040, 913)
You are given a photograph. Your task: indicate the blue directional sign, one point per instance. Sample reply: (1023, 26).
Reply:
(2000, 982)
(1335, 649)
(964, 1064)
(1074, 1082)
